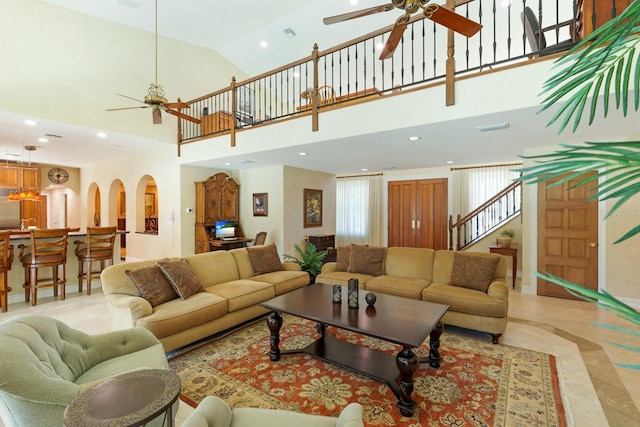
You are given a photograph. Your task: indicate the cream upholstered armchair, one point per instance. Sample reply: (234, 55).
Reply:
(214, 412)
(46, 364)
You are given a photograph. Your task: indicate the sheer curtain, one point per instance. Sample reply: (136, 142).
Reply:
(359, 210)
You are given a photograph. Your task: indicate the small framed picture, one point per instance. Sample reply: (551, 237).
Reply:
(260, 204)
(312, 208)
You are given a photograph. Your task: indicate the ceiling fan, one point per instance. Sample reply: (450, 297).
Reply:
(432, 11)
(155, 95)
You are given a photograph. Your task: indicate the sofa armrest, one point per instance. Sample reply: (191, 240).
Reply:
(211, 412)
(126, 310)
(291, 266)
(328, 267)
(351, 416)
(498, 289)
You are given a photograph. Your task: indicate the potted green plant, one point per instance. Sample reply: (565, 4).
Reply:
(505, 237)
(309, 259)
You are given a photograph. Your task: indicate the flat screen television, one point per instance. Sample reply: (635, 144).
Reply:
(225, 229)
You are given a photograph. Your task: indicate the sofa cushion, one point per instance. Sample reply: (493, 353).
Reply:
(180, 315)
(473, 272)
(366, 260)
(152, 284)
(399, 286)
(213, 267)
(264, 258)
(465, 300)
(284, 281)
(410, 263)
(181, 276)
(342, 278)
(242, 293)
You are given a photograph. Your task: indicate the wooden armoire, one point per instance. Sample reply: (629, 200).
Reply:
(217, 199)
(417, 213)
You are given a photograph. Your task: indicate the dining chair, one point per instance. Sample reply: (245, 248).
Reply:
(260, 238)
(6, 261)
(98, 247)
(47, 248)
(536, 38)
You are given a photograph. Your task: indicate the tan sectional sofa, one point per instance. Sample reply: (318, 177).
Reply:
(426, 274)
(232, 294)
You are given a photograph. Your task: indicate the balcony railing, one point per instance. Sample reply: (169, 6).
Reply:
(352, 73)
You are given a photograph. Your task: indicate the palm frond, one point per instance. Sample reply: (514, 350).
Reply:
(603, 61)
(602, 298)
(615, 167)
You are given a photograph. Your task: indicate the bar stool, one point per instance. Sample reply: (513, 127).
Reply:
(6, 260)
(48, 248)
(97, 247)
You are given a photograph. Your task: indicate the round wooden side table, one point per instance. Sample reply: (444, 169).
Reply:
(130, 400)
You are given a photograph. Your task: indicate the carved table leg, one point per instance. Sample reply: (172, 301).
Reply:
(321, 328)
(407, 364)
(274, 322)
(434, 345)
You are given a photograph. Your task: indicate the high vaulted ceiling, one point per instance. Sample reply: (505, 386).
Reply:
(235, 29)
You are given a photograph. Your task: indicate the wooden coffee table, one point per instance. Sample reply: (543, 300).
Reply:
(131, 399)
(403, 321)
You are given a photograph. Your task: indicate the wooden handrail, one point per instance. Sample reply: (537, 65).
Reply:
(461, 222)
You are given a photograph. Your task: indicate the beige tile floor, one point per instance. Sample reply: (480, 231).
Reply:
(597, 392)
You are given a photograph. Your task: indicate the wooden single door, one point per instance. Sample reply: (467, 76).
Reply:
(567, 237)
(417, 213)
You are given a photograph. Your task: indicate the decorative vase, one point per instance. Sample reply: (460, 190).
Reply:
(504, 241)
(352, 293)
(337, 294)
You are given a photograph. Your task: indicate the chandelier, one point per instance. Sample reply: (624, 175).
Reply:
(23, 194)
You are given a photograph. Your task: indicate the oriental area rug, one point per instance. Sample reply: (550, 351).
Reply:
(478, 383)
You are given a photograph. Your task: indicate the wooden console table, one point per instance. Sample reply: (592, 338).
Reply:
(512, 251)
(216, 122)
(225, 245)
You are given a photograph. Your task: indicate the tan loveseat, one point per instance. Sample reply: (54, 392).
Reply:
(425, 274)
(231, 295)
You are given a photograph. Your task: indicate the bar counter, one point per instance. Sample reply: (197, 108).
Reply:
(16, 274)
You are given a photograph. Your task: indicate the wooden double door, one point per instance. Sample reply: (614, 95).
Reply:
(417, 213)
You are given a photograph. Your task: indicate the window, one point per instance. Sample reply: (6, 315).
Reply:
(359, 210)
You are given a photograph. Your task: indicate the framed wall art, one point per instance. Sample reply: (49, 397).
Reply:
(260, 204)
(312, 208)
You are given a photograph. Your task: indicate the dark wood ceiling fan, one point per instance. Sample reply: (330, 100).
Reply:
(432, 11)
(155, 94)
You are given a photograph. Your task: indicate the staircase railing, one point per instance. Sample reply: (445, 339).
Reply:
(486, 217)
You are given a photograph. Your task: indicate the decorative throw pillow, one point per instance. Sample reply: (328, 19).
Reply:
(342, 258)
(152, 284)
(264, 258)
(366, 260)
(182, 278)
(473, 272)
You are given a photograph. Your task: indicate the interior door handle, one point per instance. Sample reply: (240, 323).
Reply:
(413, 224)
(591, 244)
(418, 224)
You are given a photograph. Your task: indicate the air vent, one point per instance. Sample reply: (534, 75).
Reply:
(52, 135)
(243, 162)
(289, 33)
(130, 3)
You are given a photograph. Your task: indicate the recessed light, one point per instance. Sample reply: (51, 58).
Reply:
(302, 154)
(364, 169)
(353, 2)
(296, 74)
(227, 163)
(263, 44)
(31, 123)
(449, 162)
(414, 138)
(43, 139)
(379, 46)
(101, 135)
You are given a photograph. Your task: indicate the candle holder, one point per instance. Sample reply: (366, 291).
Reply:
(337, 294)
(352, 293)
